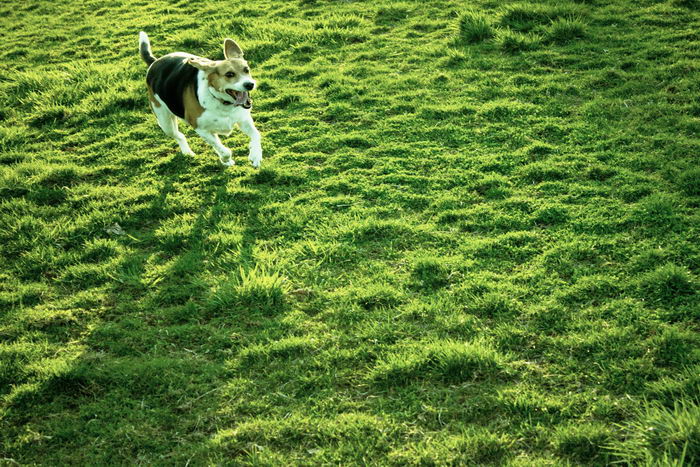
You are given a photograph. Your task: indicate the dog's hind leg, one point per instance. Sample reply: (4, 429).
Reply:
(168, 122)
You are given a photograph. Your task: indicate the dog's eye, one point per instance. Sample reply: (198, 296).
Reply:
(230, 74)
(246, 70)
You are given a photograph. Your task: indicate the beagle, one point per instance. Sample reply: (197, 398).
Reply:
(211, 95)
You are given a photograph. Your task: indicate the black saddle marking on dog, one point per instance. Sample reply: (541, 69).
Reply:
(168, 77)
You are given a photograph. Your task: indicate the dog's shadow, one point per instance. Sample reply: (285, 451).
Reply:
(156, 347)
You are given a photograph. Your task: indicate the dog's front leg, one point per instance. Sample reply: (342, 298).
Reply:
(223, 152)
(248, 127)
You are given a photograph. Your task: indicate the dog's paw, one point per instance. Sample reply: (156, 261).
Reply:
(227, 162)
(224, 152)
(255, 158)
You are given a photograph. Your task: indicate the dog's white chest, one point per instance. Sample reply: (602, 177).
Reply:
(217, 117)
(220, 122)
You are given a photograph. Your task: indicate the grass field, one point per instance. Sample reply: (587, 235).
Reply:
(475, 237)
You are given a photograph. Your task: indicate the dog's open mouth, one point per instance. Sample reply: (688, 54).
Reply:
(240, 98)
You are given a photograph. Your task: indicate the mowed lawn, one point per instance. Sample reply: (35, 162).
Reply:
(474, 238)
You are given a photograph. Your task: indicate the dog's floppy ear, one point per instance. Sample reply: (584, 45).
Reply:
(202, 63)
(231, 49)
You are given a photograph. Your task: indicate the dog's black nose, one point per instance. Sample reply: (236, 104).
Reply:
(249, 86)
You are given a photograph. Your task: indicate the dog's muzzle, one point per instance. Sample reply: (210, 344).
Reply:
(242, 98)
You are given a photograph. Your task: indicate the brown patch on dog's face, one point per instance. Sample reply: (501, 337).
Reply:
(229, 74)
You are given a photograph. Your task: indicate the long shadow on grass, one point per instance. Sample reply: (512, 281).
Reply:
(145, 386)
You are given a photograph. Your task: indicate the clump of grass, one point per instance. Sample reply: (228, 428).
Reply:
(430, 273)
(656, 210)
(522, 16)
(687, 3)
(283, 349)
(525, 17)
(551, 215)
(255, 289)
(503, 110)
(176, 233)
(84, 274)
(551, 318)
(470, 447)
(583, 442)
(60, 176)
(681, 385)
(49, 114)
(361, 435)
(48, 196)
(99, 250)
(527, 402)
(543, 171)
(690, 182)
(674, 347)
(600, 173)
(391, 14)
(15, 358)
(443, 360)
(514, 42)
(666, 284)
(648, 259)
(563, 30)
(454, 59)
(485, 218)
(376, 295)
(474, 27)
(494, 305)
(370, 230)
(510, 247)
(538, 150)
(661, 435)
(493, 186)
(591, 290)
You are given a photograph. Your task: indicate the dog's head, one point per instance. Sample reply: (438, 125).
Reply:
(228, 78)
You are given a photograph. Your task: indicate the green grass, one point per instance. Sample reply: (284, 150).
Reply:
(474, 239)
(474, 27)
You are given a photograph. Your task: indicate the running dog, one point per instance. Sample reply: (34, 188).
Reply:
(211, 95)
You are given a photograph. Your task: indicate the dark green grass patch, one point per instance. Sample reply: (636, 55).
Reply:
(376, 295)
(591, 290)
(667, 284)
(563, 30)
(657, 211)
(280, 351)
(470, 446)
(448, 361)
(431, 273)
(528, 16)
(514, 42)
(351, 436)
(583, 443)
(474, 27)
(690, 182)
(662, 435)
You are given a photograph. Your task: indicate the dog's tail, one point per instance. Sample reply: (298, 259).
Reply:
(145, 48)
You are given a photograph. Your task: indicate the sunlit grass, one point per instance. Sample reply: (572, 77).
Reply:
(473, 239)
